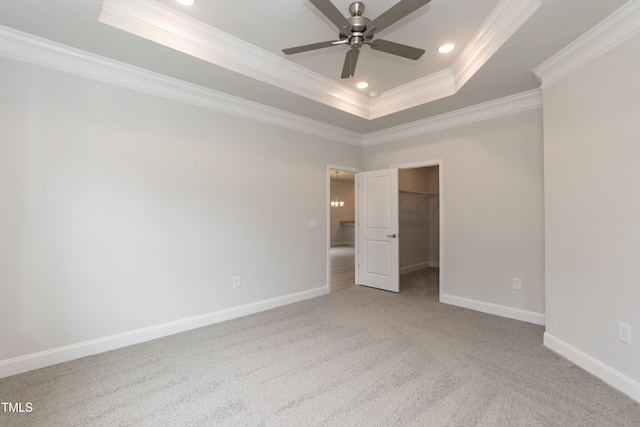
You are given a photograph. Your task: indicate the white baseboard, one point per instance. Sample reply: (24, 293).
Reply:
(616, 379)
(54, 356)
(498, 310)
(419, 266)
(414, 267)
(343, 243)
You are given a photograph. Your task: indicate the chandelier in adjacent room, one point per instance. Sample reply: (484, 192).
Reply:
(337, 203)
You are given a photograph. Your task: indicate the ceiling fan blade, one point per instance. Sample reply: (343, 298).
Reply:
(396, 49)
(396, 13)
(307, 47)
(350, 61)
(330, 11)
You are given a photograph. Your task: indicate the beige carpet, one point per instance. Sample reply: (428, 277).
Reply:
(356, 357)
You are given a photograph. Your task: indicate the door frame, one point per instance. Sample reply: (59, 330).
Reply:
(426, 164)
(328, 208)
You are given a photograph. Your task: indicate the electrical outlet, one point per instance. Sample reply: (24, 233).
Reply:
(517, 284)
(236, 282)
(624, 333)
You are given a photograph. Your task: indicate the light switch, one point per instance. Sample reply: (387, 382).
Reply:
(313, 223)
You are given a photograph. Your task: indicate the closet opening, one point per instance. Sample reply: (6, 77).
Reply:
(419, 230)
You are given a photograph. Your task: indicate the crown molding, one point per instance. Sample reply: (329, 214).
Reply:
(613, 30)
(418, 92)
(502, 22)
(500, 25)
(28, 48)
(500, 107)
(164, 25)
(35, 50)
(154, 21)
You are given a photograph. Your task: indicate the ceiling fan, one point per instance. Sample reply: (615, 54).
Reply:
(359, 30)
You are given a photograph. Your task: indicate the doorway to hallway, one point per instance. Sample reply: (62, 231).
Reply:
(342, 238)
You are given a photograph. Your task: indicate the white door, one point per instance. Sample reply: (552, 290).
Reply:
(378, 248)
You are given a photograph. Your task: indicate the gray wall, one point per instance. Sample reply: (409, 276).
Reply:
(493, 206)
(592, 203)
(121, 210)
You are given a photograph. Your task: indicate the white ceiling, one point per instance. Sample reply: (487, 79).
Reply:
(234, 48)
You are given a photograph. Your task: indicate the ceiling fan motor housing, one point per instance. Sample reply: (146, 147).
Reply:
(358, 25)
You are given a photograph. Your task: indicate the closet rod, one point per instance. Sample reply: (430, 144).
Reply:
(425, 196)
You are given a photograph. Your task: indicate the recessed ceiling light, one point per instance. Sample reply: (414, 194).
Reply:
(186, 2)
(374, 93)
(362, 85)
(446, 48)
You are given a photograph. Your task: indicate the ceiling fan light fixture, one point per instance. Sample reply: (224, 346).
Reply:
(362, 85)
(446, 48)
(186, 2)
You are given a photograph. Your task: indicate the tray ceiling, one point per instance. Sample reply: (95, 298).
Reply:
(236, 49)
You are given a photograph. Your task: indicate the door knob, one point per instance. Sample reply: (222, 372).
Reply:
(392, 235)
